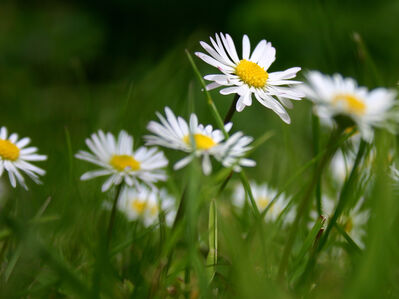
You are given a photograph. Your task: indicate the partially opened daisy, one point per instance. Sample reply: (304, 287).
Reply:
(250, 75)
(120, 162)
(263, 196)
(334, 96)
(15, 158)
(145, 204)
(198, 140)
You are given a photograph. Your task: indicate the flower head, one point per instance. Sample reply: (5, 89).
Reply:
(117, 159)
(145, 204)
(199, 140)
(263, 196)
(335, 95)
(250, 75)
(352, 221)
(15, 157)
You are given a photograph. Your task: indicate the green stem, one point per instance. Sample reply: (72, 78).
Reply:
(232, 109)
(316, 149)
(344, 195)
(113, 213)
(248, 190)
(331, 148)
(333, 222)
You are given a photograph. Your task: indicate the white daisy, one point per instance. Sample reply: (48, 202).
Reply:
(174, 132)
(168, 205)
(353, 221)
(117, 159)
(341, 166)
(335, 95)
(14, 157)
(249, 75)
(145, 204)
(263, 196)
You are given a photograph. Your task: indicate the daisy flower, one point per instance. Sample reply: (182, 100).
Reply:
(263, 196)
(15, 158)
(353, 221)
(250, 75)
(120, 162)
(341, 166)
(174, 132)
(335, 95)
(145, 204)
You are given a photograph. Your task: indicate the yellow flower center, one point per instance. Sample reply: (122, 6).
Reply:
(154, 210)
(139, 206)
(202, 142)
(263, 202)
(352, 104)
(121, 162)
(251, 73)
(348, 225)
(8, 150)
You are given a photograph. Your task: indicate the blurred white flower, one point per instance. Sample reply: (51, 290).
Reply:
(118, 160)
(14, 157)
(249, 75)
(352, 221)
(394, 173)
(263, 196)
(145, 204)
(341, 165)
(335, 95)
(174, 132)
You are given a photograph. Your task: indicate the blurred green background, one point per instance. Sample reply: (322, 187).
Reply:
(69, 68)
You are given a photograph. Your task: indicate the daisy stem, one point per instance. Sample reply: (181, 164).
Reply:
(232, 109)
(344, 195)
(113, 213)
(303, 205)
(316, 149)
(333, 222)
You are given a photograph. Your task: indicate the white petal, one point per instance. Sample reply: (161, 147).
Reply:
(246, 47)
